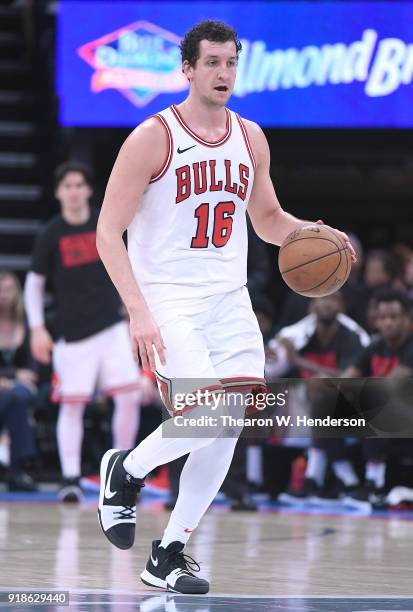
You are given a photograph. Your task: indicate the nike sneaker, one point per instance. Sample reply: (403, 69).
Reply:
(117, 499)
(168, 568)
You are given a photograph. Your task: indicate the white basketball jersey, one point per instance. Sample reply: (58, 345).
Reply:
(189, 236)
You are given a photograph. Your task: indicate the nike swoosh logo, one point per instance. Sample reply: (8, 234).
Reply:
(179, 150)
(108, 493)
(154, 561)
(188, 530)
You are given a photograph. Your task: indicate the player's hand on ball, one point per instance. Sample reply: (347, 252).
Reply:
(41, 344)
(344, 238)
(145, 335)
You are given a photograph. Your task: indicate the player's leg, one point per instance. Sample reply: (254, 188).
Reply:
(119, 377)
(201, 479)
(235, 348)
(122, 473)
(75, 365)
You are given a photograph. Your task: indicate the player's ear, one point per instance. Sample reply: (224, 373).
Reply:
(187, 69)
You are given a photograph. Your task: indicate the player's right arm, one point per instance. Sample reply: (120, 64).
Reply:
(140, 158)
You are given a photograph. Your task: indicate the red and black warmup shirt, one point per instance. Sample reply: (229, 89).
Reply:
(86, 300)
(342, 350)
(378, 360)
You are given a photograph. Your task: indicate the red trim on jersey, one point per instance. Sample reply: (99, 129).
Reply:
(122, 389)
(243, 383)
(195, 136)
(169, 153)
(246, 140)
(165, 388)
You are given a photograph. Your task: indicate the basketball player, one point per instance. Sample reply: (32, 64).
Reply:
(92, 341)
(181, 186)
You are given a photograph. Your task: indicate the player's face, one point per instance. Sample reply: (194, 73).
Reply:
(8, 292)
(73, 192)
(391, 320)
(213, 76)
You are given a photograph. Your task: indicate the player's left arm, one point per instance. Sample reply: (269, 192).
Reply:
(270, 221)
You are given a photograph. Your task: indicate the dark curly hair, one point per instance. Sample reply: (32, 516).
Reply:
(214, 31)
(390, 294)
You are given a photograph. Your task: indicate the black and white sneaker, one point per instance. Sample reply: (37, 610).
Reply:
(117, 499)
(168, 568)
(70, 491)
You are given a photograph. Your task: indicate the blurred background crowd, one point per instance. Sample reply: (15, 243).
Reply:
(360, 182)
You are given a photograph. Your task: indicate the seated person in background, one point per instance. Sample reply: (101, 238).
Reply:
(380, 270)
(389, 356)
(355, 293)
(408, 277)
(321, 346)
(17, 382)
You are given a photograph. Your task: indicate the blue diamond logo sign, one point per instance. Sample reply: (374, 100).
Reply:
(140, 60)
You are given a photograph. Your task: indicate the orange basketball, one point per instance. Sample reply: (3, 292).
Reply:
(314, 261)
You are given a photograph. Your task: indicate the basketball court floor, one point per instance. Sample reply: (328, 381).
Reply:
(275, 559)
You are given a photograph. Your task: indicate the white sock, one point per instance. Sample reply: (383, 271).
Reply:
(201, 478)
(162, 445)
(157, 449)
(69, 438)
(316, 465)
(125, 420)
(345, 472)
(376, 472)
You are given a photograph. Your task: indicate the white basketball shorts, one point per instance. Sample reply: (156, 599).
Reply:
(214, 344)
(102, 361)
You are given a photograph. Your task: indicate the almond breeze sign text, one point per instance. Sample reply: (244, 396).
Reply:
(303, 64)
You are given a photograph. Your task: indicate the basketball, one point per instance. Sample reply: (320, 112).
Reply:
(314, 261)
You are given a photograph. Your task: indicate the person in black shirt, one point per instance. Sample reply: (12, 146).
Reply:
(389, 356)
(17, 382)
(91, 339)
(330, 346)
